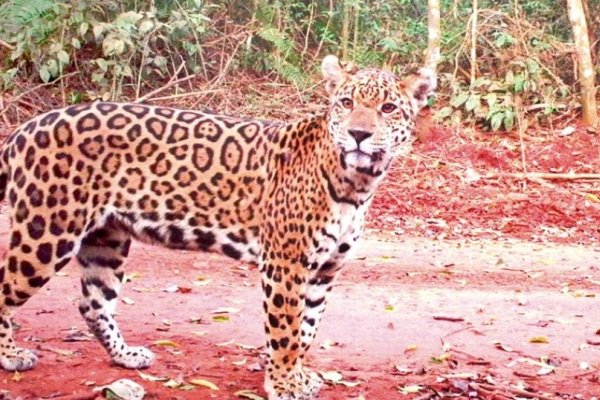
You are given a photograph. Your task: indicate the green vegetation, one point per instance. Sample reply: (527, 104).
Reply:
(121, 49)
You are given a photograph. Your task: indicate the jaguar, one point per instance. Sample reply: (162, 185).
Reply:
(83, 181)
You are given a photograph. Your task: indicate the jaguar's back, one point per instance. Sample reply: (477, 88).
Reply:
(181, 178)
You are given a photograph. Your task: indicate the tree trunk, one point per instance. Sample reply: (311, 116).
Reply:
(346, 15)
(584, 59)
(474, 43)
(434, 32)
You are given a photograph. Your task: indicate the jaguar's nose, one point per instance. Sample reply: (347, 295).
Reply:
(359, 135)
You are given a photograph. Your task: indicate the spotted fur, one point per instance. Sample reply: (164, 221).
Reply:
(83, 181)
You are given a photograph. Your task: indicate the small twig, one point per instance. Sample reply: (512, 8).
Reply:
(448, 318)
(8, 46)
(543, 175)
(425, 396)
(33, 89)
(513, 390)
(224, 70)
(4, 117)
(89, 396)
(593, 371)
(173, 81)
(326, 29)
(182, 95)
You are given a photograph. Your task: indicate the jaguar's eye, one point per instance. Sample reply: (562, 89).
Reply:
(347, 103)
(388, 108)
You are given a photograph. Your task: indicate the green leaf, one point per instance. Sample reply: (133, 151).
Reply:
(519, 84)
(473, 102)
(76, 43)
(146, 26)
(444, 113)
(509, 119)
(102, 63)
(63, 57)
(496, 120)
(45, 74)
(113, 46)
(490, 99)
(53, 67)
(459, 100)
(98, 30)
(83, 28)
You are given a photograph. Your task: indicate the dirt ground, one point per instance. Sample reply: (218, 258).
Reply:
(449, 316)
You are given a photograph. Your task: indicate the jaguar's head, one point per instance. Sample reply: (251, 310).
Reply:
(372, 112)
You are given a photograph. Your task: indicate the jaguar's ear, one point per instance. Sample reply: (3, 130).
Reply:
(334, 72)
(420, 87)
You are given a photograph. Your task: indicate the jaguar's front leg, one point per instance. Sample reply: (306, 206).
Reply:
(295, 301)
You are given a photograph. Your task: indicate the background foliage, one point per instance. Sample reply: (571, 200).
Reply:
(123, 49)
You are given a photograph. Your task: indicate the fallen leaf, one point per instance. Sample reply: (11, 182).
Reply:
(172, 383)
(127, 301)
(331, 376)
(592, 197)
(247, 346)
(248, 394)
(220, 318)
(569, 130)
(336, 378)
(545, 370)
(328, 344)
(410, 347)
(166, 342)
(411, 389)
(123, 389)
(225, 310)
(202, 282)
(152, 378)
(179, 384)
(171, 289)
(254, 367)
(203, 382)
(348, 383)
(461, 375)
(17, 377)
(78, 336)
(539, 339)
(503, 347)
(440, 359)
(402, 370)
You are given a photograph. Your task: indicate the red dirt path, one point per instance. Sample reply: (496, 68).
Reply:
(384, 304)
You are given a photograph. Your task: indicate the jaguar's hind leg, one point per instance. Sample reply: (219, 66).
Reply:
(101, 257)
(27, 266)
